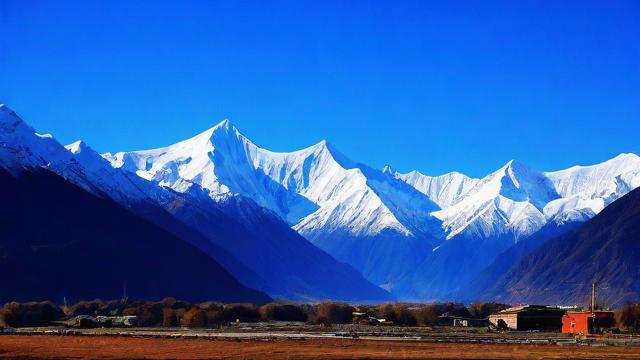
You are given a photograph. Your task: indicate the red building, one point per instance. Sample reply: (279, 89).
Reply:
(577, 322)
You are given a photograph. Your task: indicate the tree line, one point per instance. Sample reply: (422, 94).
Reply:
(170, 312)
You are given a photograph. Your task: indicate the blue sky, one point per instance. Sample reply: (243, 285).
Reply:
(418, 85)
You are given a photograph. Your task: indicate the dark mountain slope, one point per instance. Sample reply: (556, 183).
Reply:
(57, 240)
(605, 250)
(161, 217)
(487, 278)
(446, 270)
(291, 266)
(267, 254)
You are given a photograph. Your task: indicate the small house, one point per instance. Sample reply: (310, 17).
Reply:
(529, 318)
(448, 319)
(587, 322)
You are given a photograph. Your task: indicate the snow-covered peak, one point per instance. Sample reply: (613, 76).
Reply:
(517, 182)
(586, 190)
(610, 178)
(222, 134)
(76, 147)
(122, 186)
(21, 147)
(312, 188)
(88, 158)
(226, 129)
(509, 200)
(445, 190)
(387, 169)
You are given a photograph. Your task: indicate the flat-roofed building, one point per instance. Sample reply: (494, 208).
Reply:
(529, 317)
(587, 322)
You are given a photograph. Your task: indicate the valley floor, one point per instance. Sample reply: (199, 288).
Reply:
(110, 347)
(298, 341)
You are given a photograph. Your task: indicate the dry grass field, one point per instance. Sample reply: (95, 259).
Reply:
(115, 347)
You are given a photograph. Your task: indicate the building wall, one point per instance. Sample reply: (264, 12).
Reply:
(540, 320)
(499, 320)
(576, 323)
(586, 322)
(524, 320)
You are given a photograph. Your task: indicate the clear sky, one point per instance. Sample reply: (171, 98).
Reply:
(418, 85)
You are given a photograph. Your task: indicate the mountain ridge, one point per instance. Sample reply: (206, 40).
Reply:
(405, 232)
(367, 217)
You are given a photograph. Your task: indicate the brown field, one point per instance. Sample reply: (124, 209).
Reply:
(115, 347)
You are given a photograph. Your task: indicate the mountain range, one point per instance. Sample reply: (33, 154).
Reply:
(604, 251)
(312, 224)
(276, 259)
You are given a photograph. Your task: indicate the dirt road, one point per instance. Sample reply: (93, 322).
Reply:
(114, 347)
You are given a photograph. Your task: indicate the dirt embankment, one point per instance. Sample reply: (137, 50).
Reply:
(113, 347)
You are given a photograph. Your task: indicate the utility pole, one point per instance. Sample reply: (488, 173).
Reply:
(124, 291)
(593, 297)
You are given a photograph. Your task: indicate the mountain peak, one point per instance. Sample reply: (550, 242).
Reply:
(511, 164)
(223, 126)
(221, 133)
(77, 147)
(326, 147)
(226, 124)
(515, 169)
(321, 144)
(624, 156)
(387, 169)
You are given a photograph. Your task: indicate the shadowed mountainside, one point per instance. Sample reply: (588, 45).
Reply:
(57, 240)
(605, 250)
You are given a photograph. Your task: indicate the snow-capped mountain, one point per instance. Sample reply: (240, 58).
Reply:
(605, 251)
(21, 147)
(386, 224)
(61, 222)
(253, 210)
(256, 246)
(520, 200)
(306, 187)
(318, 191)
(445, 190)
(586, 190)
(510, 204)
(510, 200)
